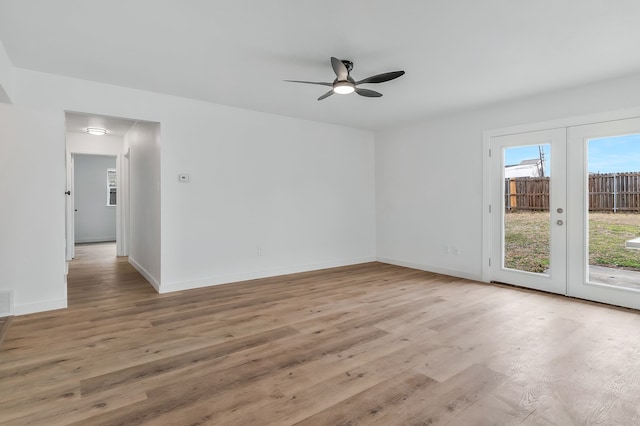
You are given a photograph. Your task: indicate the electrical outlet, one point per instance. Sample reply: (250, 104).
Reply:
(455, 251)
(260, 251)
(445, 249)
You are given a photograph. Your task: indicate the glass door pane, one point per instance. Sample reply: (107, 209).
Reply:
(613, 212)
(526, 208)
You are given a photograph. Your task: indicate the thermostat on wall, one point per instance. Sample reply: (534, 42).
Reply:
(184, 178)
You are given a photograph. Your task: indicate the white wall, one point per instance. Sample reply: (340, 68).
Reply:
(143, 143)
(6, 77)
(429, 175)
(268, 195)
(84, 143)
(32, 184)
(302, 191)
(299, 193)
(95, 221)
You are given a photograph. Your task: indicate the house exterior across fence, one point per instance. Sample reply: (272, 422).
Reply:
(608, 192)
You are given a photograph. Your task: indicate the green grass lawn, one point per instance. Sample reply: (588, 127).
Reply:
(527, 240)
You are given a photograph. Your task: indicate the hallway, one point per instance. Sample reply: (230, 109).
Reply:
(97, 276)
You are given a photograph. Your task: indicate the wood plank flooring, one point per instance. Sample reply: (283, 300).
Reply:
(371, 344)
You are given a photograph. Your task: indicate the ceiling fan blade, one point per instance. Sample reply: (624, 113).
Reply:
(326, 95)
(381, 78)
(339, 68)
(310, 82)
(368, 93)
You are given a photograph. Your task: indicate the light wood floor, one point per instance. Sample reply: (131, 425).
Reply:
(370, 344)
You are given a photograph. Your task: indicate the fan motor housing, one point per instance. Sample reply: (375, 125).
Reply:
(347, 64)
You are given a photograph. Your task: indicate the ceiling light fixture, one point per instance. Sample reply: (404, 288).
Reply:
(97, 131)
(343, 87)
(345, 84)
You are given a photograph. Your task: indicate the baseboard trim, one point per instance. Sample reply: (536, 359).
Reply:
(147, 276)
(430, 268)
(232, 278)
(32, 308)
(95, 240)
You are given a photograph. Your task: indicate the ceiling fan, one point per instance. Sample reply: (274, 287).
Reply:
(344, 84)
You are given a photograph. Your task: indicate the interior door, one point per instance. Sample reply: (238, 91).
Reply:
(528, 203)
(604, 221)
(70, 211)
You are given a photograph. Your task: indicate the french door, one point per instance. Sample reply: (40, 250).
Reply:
(604, 221)
(528, 210)
(566, 211)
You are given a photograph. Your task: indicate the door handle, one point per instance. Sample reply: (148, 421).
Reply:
(560, 222)
(67, 192)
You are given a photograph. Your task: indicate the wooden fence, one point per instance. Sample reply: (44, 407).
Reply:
(608, 192)
(526, 193)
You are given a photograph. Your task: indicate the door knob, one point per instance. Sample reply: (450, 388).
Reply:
(560, 222)
(559, 210)
(67, 192)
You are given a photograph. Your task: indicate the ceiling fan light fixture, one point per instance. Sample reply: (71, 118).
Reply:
(345, 84)
(96, 131)
(343, 87)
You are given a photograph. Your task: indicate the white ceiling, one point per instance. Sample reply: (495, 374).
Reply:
(458, 54)
(78, 123)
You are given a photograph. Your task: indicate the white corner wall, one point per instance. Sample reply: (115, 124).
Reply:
(429, 176)
(32, 184)
(268, 195)
(6, 77)
(143, 143)
(94, 221)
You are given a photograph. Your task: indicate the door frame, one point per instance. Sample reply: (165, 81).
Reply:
(70, 250)
(122, 200)
(594, 118)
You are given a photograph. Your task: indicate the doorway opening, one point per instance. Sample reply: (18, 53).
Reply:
(97, 181)
(113, 194)
(95, 198)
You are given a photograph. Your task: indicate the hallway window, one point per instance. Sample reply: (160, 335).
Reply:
(112, 188)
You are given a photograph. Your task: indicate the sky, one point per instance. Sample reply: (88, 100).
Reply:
(605, 155)
(615, 154)
(516, 154)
